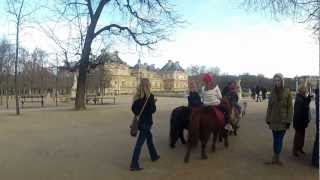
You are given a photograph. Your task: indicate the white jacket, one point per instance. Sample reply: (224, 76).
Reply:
(212, 97)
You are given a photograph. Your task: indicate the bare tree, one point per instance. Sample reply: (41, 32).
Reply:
(145, 22)
(4, 60)
(16, 8)
(304, 10)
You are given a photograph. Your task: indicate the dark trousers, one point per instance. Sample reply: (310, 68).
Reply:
(278, 141)
(225, 112)
(298, 141)
(143, 136)
(315, 153)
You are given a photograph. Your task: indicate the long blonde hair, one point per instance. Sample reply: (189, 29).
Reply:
(143, 90)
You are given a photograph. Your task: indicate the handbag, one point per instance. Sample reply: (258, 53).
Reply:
(135, 121)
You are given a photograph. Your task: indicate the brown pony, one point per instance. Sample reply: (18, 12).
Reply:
(203, 122)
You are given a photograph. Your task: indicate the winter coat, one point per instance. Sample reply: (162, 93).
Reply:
(212, 96)
(301, 111)
(317, 109)
(280, 111)
(194, 99)
(145, 120)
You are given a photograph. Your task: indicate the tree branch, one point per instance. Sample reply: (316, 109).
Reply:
(127, 29)
(135, 14)
(97, 13)
(90, 8)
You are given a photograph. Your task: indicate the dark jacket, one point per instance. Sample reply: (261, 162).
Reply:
(145, 121)
(317, 109)
(301, 111)
(231, 95)
(194, 99)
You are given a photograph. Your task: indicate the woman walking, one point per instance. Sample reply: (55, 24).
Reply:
(279, 115)
(144, 105)
(300, 119)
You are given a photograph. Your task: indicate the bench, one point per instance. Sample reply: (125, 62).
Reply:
(95, 98)
(32, 99)
(63, 99)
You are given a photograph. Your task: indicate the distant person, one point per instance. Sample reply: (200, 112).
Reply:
(279, 115)
(300, 119)
(315, 153)
(260, 96)
(194, 99)
(264, 93)
(257, 91)
(231, 93)
(144, 98)
(253, 93)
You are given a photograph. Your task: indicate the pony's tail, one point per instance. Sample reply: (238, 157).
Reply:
(194, 126)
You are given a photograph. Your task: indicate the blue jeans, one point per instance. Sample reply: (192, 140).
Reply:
(278, 141)
(143, 136)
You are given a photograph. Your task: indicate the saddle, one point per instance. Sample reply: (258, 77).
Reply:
(218, 114)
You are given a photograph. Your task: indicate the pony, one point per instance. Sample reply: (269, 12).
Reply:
(179, 121)
(204, 120)
(236, 117)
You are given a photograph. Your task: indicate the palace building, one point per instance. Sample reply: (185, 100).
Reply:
(115, 75)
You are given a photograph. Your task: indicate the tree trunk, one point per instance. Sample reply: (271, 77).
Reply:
(81, 88)
(84, 63)
(16, 69)
(82, 77)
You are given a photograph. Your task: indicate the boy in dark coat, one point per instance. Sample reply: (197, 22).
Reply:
(194, 99)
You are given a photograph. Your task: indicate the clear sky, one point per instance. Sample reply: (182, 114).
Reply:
(219, 33)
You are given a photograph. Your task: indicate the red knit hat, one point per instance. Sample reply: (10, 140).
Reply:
(207, 78)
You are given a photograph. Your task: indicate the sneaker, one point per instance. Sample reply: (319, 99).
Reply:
(136, 169)
(156, 159)
(228, 127)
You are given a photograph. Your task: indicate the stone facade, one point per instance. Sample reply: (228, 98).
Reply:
(174, 77)
(111, 75)
(120, 78)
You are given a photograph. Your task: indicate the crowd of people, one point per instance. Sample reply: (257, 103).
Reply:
(280, 114)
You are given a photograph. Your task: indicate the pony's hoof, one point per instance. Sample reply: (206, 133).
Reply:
(186, 160)
(226, 145)
(213, 149)
(172, 146)
(203, 157)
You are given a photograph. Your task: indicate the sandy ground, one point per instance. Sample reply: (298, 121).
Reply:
(62, 144)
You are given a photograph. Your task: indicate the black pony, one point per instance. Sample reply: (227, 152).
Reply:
(179, 121)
